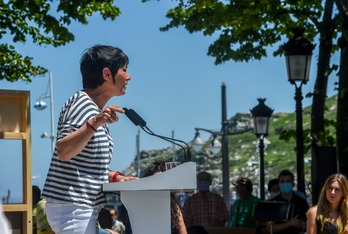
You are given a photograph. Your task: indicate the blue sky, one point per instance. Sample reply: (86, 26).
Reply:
(175, 86)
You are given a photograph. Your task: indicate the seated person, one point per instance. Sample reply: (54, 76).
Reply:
(105, 222)
(117, 225)
(273, 188)
(295, 225)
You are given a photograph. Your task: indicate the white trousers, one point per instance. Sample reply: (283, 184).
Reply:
(70, 218)
(4, 223)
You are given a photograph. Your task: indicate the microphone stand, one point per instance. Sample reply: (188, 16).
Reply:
(138, 121)
(171, 140)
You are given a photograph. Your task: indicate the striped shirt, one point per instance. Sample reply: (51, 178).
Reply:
(79, 180)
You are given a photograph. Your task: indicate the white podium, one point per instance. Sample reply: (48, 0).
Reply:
(148, 199)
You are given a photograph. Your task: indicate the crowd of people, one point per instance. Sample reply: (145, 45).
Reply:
(205, 209)
(72, 200)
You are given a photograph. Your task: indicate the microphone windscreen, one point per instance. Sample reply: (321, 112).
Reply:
(131, 116)
(140, 120)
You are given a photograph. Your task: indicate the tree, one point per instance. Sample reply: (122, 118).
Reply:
(44, 22)
(246, 29)
(342, 100)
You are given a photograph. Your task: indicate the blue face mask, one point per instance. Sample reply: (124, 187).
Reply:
(203, 185)
(286, 187)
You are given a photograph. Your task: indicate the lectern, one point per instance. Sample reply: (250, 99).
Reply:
(148, 199)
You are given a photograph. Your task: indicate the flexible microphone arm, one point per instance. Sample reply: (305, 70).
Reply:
(171, 140)
(188, 156)
(138, 121)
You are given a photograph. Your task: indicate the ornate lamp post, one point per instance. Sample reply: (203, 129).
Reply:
(298, 55)
(261, 115)
(41, 105)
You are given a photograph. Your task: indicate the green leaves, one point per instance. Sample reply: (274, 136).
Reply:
(14, 66)
(42, 22)
(245, 29)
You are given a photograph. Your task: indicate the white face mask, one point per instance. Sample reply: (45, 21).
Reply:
(273, 194)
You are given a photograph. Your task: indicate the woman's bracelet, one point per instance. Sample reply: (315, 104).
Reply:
(90, 125)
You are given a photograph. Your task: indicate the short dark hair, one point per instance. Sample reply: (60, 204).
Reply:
(36, 194)
(95, 59)
(205, 175)
(243, 181)
(286, 173)
(104, 218)
(271, 183)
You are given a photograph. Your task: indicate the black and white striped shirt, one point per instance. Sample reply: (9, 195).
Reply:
(79, 180)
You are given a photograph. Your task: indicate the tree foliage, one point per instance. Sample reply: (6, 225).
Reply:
(44, 22)
(246, 30)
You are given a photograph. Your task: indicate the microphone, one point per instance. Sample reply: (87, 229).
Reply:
(131, 116)
(138, 121)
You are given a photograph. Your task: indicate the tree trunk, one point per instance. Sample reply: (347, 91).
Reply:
(320, 87)
(319, 93)
(342, 104)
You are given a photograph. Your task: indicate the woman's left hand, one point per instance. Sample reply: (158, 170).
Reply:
(122, 178)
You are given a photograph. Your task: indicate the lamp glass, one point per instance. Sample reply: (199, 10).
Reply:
(197, 143)
(298, 67)
(216, 146)
(40, 105)
(261, 125)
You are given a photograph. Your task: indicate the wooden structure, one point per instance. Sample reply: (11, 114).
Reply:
(15, 125)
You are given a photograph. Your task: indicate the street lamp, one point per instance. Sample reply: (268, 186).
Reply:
(41, 105)
(198, 143)
(298, 55)
(261, 115)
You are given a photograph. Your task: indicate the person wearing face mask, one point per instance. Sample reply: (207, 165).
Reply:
(273, 188)
(205, 208)
(242, 208)
(295, 225)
